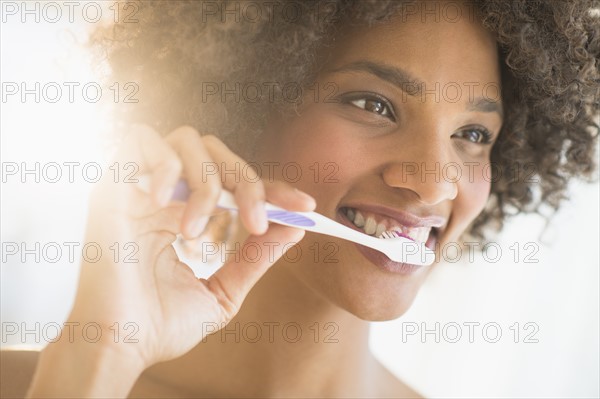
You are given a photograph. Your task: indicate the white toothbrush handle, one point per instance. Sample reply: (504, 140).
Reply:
(399, 249)
(309, 221)
(321, 224)
(325, 225)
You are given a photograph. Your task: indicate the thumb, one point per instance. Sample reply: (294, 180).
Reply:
(232, 282)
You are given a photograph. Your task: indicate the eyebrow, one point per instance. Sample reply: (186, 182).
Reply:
(411, 85)
(482, 104)
(397, 76)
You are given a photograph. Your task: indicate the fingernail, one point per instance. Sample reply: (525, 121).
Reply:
(305, 195)
(165, 195)
(198, 226)
(259, 215)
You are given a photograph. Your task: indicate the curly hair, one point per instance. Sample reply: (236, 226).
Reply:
(549, 55)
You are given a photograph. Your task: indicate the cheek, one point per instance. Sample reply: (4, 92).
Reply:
(318, 156)
(473, 194)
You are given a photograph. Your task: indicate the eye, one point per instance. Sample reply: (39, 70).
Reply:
(372, 105)
(371, 102)
(476, 135)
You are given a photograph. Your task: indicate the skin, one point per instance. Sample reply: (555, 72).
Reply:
(370, 150)
(329, 302)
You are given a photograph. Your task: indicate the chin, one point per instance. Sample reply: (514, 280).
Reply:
(377, 303)
(385, 311)
(358, 285)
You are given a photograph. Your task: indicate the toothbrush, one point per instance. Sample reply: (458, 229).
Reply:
(396, 247)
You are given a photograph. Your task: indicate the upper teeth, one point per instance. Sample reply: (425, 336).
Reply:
(370, 226)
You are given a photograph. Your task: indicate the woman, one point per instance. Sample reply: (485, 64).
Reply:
(403, 107)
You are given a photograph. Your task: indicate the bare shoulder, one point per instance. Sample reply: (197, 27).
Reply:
(391, 386)
(16, 371)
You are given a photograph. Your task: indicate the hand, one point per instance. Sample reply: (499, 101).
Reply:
(159, 295)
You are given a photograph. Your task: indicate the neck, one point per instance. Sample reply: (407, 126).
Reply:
(286, 340)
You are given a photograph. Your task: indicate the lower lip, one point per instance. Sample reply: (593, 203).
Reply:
(379, 258)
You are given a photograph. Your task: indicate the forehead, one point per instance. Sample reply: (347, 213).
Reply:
(431, 47)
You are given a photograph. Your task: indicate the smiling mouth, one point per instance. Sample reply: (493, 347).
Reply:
(377, 225)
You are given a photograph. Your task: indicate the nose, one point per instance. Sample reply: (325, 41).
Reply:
(424, 166)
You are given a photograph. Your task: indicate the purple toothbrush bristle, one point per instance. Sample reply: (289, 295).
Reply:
(398, 233)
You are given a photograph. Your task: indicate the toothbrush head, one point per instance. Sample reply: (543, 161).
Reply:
(394, 234)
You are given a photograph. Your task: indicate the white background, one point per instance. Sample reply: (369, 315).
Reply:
(559, 294)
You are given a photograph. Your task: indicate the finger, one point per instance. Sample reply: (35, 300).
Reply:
(157, 248)
(204, 188)
(232, 282)
(248, 190)
(285, 196)
(164, 219)
(152, 155)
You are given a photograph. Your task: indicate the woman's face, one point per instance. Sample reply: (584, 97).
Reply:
(399, 132)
